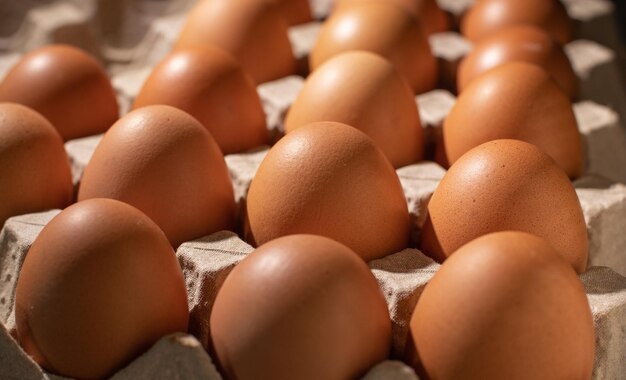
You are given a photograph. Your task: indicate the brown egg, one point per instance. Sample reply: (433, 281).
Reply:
(294, 11)
(486, 17)
(164, 162)
(432, 19)
(99, 286)
(520, 101)
(381, 28)
(329, 179)
(253, 31)
(300, 307)
(212, 87)
(505, 185)
(34, 170)
(67, 86)
(504, 306)
(519, 43)
(363, 90)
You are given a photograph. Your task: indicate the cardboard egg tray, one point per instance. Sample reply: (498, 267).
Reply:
(133, 36)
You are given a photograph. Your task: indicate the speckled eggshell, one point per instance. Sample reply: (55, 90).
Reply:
(211, 86)
(485, 17)
(432, 19)
(294, 11)
(381, 28)
(164, 162)
(300, 307)
(520, 101)
(363, 90)
(98, 287)
(505, 185)
(34, 170)
(329, 179)
(253, 31)
(504, 306)
(525, 43)
(67, 86)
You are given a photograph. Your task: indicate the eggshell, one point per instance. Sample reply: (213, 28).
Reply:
(294, 309)
(486, 17)
(505, 185)
(520, 101)
(432, 19)
(99, 286)
(253, 31)
(67, 86)
(381, 28)
(504, 306)
(519, 43)
(329, 179)
(294, 11)
(34, 170)
(363, 90)
(211, 86)
(164, 162)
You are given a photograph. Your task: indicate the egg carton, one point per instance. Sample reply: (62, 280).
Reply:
(402, 276)
(144, 36)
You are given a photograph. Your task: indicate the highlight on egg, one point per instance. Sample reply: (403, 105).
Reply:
(486, 17)
(211, 86)
(294, 308)
(329, 179)
(503, 306)
(525, 43)
(254, 31)
(99, 286)
(516, 100)
(67, 86)
(164, 162)
(381, 28)
(505, 185)
(363, 90)
(34, 170)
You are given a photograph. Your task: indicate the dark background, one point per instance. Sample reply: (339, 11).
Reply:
(620, 13)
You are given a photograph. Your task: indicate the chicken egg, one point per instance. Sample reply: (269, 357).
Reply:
(253, 31)
(363, 90)
(432, 19)
(67, 86)
(300, 307)
(504, 306)
(381, 28)
(99, 286)
(295, 12)
(332, 180)
(34, 170)
(485, 17)
(505, 185)
(164, 162)
(211, 86)
(519, 43)
(516, 100)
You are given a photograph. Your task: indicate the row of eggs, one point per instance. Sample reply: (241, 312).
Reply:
(324, 178)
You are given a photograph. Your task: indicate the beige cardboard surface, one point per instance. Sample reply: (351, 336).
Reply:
(16, 237)
(206, 263)
(604, 206)
(402, 278)
(606, 292)
(14, 363)
(177, 357)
